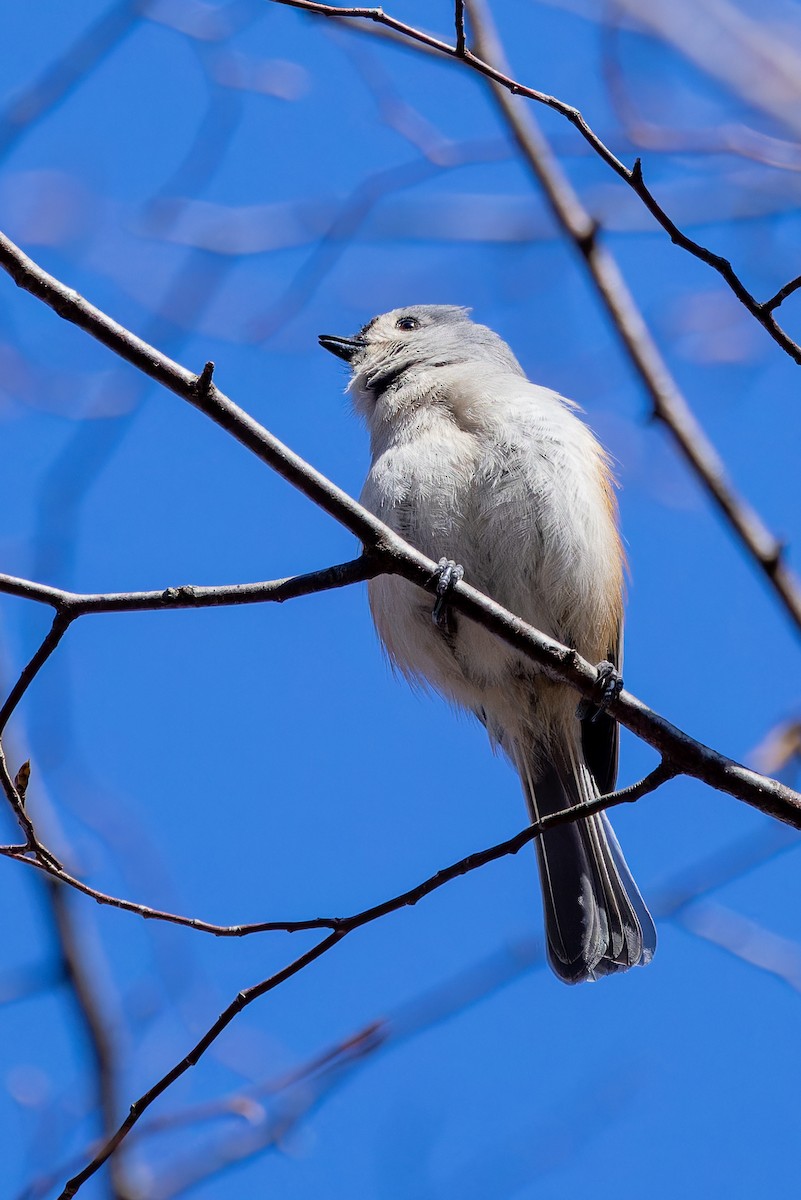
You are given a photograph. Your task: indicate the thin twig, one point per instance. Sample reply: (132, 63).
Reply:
(44, 857)
(70, 606)
(661, 774)
(57, 630)
(459, 20)
(782, 294)
(669, 405)
(633, 176)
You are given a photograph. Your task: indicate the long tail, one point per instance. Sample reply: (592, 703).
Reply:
(596, 921)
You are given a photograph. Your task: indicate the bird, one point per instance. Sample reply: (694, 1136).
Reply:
(499, 479)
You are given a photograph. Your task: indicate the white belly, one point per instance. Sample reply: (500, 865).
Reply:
(524, 517)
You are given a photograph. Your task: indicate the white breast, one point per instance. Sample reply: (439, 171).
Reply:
(509, 486)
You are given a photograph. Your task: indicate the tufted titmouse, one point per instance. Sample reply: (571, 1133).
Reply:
(473, 463)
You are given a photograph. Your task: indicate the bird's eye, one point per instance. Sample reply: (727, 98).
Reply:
(407, 324)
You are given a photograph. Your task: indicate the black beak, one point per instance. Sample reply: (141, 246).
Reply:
(342, 347)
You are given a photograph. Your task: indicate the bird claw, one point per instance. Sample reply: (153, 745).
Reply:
(607, 688)
(448, 574)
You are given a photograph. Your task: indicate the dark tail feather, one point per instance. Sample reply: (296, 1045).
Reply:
(596, 921)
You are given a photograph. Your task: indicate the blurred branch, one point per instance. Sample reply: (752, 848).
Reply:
(81, 977)
(779, 753)
(76, 967)
(730, 138)
(31, 104)
(21, 983)
(71, 605)
(745, 939)
(668, 402)
(438, 154)
(345, 223)
(633, 176)
(496, 1170)
(56, 82)
(201, 21)
(186, 294)
(683, 754)
(493, 219)
(751, 56)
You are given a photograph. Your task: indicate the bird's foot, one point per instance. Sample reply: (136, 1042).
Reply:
(448, 574)
(607, 688)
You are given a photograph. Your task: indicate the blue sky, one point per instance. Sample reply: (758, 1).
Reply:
(258, 763)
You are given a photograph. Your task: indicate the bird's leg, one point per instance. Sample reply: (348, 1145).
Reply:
(607, 687)
(448, 573)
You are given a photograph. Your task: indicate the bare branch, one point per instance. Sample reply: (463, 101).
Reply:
(242, 1000)
(57, 630)
(72, 605)
(762, 313)
(661, 774)
(782, 294)
(684, 753)
(22, 983)
(43, 857)
(669, 405)
(22, 854)
(347, 220)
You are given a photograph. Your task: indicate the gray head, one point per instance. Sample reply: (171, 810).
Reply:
(391, 349)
